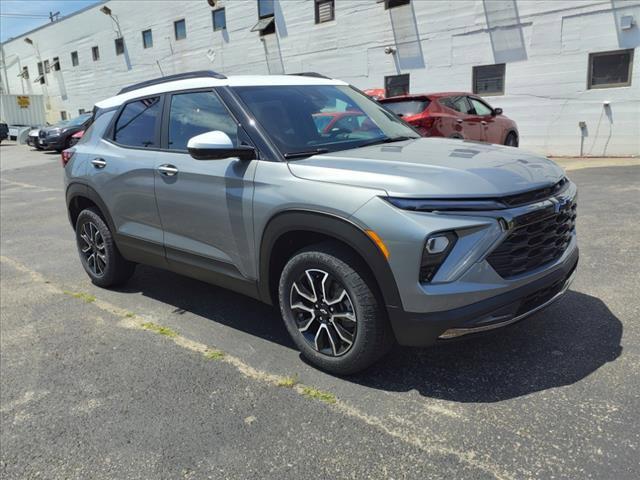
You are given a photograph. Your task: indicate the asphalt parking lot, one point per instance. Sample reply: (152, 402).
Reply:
(168, 377)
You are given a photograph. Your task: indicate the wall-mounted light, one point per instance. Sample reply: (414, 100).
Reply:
(28, 40)
(106, 10)
(390, 50)
(627, 22)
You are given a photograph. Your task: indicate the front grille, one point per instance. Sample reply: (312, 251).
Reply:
(535, 241)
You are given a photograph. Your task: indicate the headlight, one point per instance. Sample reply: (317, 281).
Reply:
(435, 205)
(54, 133)
(436, 249)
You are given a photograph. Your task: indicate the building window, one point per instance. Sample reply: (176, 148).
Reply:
(395, 85)
(147, 39)
(395, 3)
(265, 8)
(266, 24)
(47, 68)
(95, 53)
(63, 115)
(40, 78)
(610, 69)
(56, 64)
(25, 73)
(180, 29)
(74, 59)
(489, 79)
(119, 43)
(325, 10)
(219, 19)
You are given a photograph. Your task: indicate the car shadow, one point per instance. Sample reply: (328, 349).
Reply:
(208, 301)
(558, 346)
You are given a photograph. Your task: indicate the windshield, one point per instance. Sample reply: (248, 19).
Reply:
(406, 108)
(79, 120)
(321, 118)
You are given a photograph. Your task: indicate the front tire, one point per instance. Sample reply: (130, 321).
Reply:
(98, 252)
(511, 140)
(332, 311)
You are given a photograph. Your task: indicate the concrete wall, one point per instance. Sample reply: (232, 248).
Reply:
(545, 45)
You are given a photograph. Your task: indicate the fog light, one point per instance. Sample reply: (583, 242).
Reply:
(436, 249)
(437, 244)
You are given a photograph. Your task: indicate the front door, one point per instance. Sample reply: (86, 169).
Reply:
(491, 128)
(205, 205)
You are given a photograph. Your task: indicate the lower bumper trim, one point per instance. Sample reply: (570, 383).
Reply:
(460, 332)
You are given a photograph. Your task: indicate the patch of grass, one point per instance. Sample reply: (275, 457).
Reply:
(85, 297)
(316, 394)
(288, 382)
(153, 327)
(214, 354)
(130, 315)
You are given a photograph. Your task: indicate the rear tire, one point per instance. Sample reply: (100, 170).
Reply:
(332, 310)
(98, 252)
(511, 140)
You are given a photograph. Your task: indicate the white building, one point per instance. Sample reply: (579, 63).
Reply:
(551, 65)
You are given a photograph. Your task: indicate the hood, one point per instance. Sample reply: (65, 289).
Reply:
(433, 167)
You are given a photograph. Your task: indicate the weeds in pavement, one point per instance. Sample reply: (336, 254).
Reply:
(316, 394)
(288, 382)
(214, 354)
(153, 327)
(82, 296)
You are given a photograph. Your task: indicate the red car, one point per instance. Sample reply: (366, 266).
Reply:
(351, 121)
(75, 138)
(455, 115)
(375, 93)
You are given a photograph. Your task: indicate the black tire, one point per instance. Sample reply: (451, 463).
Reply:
(511, 140)
(372, 336)
(93, 237)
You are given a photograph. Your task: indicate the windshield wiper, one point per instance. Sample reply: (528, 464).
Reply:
(387, 140)
(308, 153)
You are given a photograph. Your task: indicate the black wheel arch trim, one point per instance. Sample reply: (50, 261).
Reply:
(332, 226)
(78, 189)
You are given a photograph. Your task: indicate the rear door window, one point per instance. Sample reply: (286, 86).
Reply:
(138, 122)
(457, 103)
(194, 113)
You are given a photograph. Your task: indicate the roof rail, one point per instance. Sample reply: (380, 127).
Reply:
(310, 74)
(171, 78)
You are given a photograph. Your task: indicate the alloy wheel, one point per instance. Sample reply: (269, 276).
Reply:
(323, 312)
(93, 248)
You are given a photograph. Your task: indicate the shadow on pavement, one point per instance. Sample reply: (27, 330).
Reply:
(555, 347)
(558, 346)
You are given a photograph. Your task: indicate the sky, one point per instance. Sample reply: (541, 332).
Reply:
(20, 16)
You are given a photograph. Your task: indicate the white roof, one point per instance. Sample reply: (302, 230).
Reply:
(204, 82)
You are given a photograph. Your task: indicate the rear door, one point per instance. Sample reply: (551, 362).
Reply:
(205, 205)
(122, 170)
(492, 130)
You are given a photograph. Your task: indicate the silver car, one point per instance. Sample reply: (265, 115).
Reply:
(300, 191)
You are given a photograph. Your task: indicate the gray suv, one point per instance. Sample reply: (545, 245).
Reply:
(299, 190)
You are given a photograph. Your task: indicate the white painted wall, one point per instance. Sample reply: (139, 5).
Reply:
(546, 49)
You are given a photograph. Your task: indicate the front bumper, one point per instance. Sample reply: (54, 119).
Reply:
(51, 143)
(423, 329)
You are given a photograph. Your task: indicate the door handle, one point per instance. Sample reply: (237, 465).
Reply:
(459, 120)
(168, 170)
(483, 122)
(98, 163)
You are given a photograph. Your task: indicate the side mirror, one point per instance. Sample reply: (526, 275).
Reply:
(217, 145)
(497, 111)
